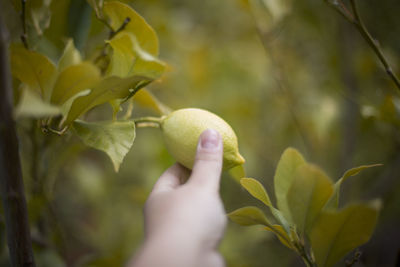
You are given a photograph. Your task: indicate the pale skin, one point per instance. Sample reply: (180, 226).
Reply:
(184, 215)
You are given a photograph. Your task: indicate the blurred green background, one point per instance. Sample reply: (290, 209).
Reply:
(282, 73)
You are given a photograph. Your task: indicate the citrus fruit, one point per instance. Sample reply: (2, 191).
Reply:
(181, 130)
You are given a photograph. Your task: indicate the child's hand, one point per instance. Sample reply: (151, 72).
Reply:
(184, 222)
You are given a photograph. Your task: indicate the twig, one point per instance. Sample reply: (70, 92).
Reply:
(354, 260)
(373, 43)
(24, 35)
(111, 35)
(357, 21)
(304, 255)
(120, 29)
(12, 187)
(134, 91)
(154, 122)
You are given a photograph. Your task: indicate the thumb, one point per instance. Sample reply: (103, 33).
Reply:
(207, 167)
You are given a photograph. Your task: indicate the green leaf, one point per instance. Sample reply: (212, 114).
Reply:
(33, 69)
(336, 233)
(128, 58)
(74, 79)
(32, 106)
(107, 89)
(65, 108)
(256, 189)
(117, 12)
(114, 138)
(281, 234)
(70, 56)
(309, 192)
(146, 99)
(290, 160)
(247, 216)
(333, 202)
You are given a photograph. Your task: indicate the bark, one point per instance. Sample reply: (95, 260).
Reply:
(11, 183)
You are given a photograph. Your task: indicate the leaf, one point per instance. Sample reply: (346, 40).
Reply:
(129, 59)
(333, 202)
(70, 56)
(117, 12)
(146, 99)
(290, 160)
(282, 236)
(114, 138)
(250, 215)
(74, 79)
(336, 233)
(65, 108)
(33, 69)
(256, 189)
(309, 192)
(107, 89)
(32, 106)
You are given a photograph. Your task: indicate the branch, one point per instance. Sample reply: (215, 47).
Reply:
(373, 43)
(24, 36)
(356, 20)
(111, 35)
(12, 188)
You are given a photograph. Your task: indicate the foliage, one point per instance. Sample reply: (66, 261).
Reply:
(74, 87)
(283, 73)
(315, 229)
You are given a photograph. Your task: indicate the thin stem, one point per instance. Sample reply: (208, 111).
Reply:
(154, 122)
(304, 255)
(111, 35)
(147, 125)
(35, 159)
(11, 183)
(137, 88)
(24, 36)
(356, 20)
(47, 129)
(120, 29)
(372, 43)
(129, 110)
(341, 9)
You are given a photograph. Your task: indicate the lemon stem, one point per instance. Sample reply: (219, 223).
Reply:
(153, 122)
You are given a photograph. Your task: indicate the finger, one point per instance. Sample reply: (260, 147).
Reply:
(208, 163)
(171, 178)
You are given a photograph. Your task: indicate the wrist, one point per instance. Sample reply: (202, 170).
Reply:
(168, 250)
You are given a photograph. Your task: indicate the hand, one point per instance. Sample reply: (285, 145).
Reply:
(184, 222)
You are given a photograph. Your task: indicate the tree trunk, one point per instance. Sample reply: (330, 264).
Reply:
(11, 183)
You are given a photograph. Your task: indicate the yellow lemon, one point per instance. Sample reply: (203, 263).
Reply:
(181, 131)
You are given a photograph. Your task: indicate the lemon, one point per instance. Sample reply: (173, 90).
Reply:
(181, 130)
